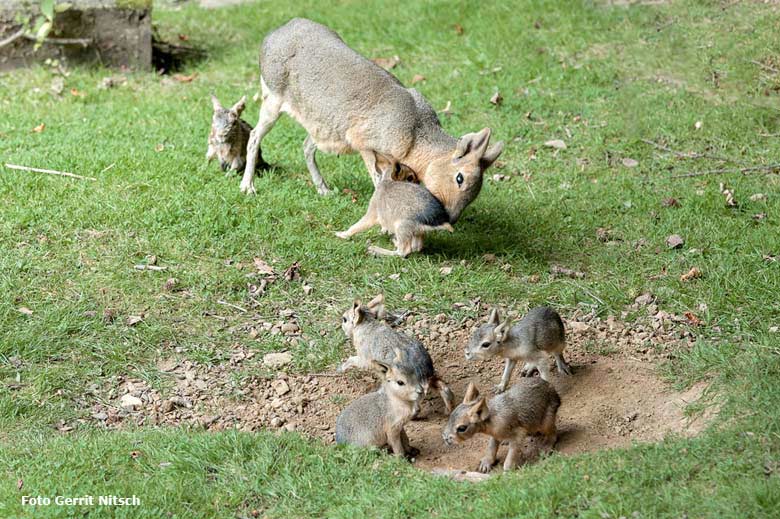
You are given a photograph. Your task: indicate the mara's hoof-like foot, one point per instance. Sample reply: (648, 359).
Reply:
(343, 235)
(497, 390)
(485, 465)
(248, 188)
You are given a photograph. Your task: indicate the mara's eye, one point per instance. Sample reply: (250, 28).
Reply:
(343, 319)
(485, 345)
(459, 179)
(462, 428)
(399, 382)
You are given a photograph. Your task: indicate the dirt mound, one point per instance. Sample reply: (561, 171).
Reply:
(612, 399)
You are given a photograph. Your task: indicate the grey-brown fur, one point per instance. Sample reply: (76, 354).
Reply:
(539, 332)
(375, 340)
(349, 104)
(229, 136)
(377, 419)
(528, 407)
(405, 210)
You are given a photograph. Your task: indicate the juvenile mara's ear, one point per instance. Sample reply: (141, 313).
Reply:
(491, 155)
(357, 312)
(239, 107)
(472, 393)
(471, 147)
(501, 331)
(380, 367)
(479, 412)
(493, 319)
(215, 103)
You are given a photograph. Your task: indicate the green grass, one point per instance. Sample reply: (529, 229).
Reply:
(600, 78)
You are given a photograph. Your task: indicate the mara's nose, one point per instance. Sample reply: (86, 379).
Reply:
(447, 438)
(468, 355)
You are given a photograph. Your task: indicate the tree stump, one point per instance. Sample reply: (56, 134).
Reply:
(114, 33)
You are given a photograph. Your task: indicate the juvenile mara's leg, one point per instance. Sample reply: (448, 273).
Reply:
(395, 441)
(510, 461)
(560, 362)
(351, 362)
(310, 152)
(486, 463)
(211, 152)
(445, 392)
(548, 429)
(410, 451)
(269, 114)
(509, 366)
(374, 166)
(369, 220)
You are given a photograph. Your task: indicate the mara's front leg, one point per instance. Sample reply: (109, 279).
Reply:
(369, 220)
(486, 463)
(269, 113)
(509, 366)
(395, 440)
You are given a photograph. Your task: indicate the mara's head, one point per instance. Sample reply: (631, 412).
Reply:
(224, 120)
(358, 314)
(488, 339)
(400, 379)
(457, 179)
(466, 420)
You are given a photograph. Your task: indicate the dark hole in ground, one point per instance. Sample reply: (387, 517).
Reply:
(170, 57)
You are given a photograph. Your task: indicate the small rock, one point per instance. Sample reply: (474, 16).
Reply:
(644, 299)
(130, 402)
(408, 297)
(307, 289)
(207, 420)
(276, 422)
(675, 241)
(774, 329)
(100, 416)
(578, 327)
(280, 387)
(758, 197)
(289, 328)
(633, 416)
(277, 360)
(461, 475)
(445, 271)
(630, 163)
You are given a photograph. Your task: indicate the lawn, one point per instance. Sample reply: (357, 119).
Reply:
(699, 78)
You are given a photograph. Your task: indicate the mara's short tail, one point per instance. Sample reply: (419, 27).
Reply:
(443, 227)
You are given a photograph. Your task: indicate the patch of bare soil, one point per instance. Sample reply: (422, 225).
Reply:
(612, 399)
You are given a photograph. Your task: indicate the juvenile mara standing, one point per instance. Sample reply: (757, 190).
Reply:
(349, 104)
(375, 340)
(529, 407)
(378, 419)
(539, 332)
(405, 210)
(228, 136)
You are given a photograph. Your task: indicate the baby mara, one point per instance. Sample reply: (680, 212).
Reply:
(529, 407)
(229, 136)
(378, 419)
(538, 333)
(375, 340)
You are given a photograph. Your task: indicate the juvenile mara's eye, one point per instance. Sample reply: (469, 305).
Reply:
(486, 345)
(459, 179)
(462, 428)
(343, 319)
(399, 382)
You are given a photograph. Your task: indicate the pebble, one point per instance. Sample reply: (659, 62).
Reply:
(130, 402)
(277, 360)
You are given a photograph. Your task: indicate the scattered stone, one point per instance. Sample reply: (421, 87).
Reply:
(408, 297)
(578, 327)
(675, 241)
(461, 475)
(645, 299)
(276, 422)
(289, 328)
(100, 416)
(280, 387)
(694, 273)
(130, 402)
(758, 197)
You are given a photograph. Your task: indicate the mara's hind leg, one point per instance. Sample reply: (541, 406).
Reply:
(310, 152)
(269, 114)
(404, 236)
(548, 429)
(560, 362)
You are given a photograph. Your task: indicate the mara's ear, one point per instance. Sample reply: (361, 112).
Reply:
(215, 102)
(501, 331)
(472, 393)
(491, 155)
(379, 366)
(493, 319)
(471, 146)
(357, 312)
(239, 107)
(478, 411)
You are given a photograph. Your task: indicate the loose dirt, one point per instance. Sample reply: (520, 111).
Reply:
(614, 397)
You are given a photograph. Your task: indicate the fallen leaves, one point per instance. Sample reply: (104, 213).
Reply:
(496, 99)
(556, 143)
(758, 197)
(417, 78)
(694, 273)
(181, 78)
(458, 29)
(445, 271)
(693, 319)
(132, 320)
(559, 271)
(387, 63)
(24, 310)
(671, 202)
(293, 272)
(262, 267)
(39, 128)
(111, 82)
(728, 195)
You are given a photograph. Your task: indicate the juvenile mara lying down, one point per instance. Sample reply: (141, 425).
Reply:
(405, 210)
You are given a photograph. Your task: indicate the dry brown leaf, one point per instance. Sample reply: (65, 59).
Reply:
(693, 319)
(387, 63)
(183, 37)
(417, 78)
(24, 310)
(262, 267)
(39, 128)
(557, 270)
(759, 216)
(758, 197)
(76, 93)
(497, 98)
(671, 202)
(351, 193)
(728, 194)
(458, 29)
(132, 320)
(694, 273)
(293, 272)
(556, 143)
(160, 147)
(445, 271)
(181, 78)
(19, 484)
